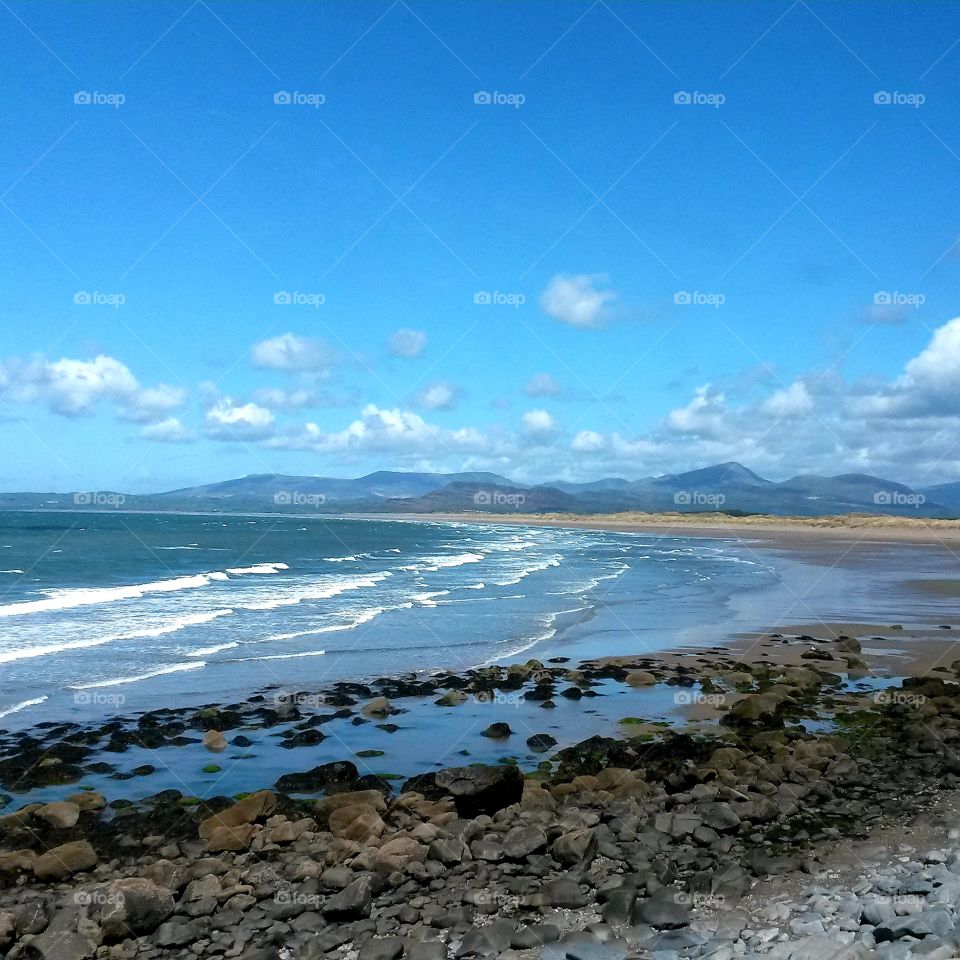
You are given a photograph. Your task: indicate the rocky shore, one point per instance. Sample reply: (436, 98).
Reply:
(661, 843)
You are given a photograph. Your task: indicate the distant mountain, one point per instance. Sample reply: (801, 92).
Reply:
(725, 487)
(382, 485)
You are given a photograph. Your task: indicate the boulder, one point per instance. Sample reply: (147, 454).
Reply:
(215, 741)
(132, 908)
(477, 790)
(247, 811)
(640, 678)
(339, 774)
(575, 846)
(323, 809)
(60, 815)
(64, 860)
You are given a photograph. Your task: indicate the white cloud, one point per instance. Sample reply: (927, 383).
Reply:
(538, 423)
(152, 404)
(407, 343)
(438, 396)
(294, 354)
(542, 385)
(588, 441)
(703, 415)
(277, 399)
(576, 300)
(228, 421)
(170, 430)
(792, 401)
(936, 370)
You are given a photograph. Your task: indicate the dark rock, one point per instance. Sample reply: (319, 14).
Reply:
(541, 742)
(477, 790)
(666, 910)
(497, 731)
(339, 773)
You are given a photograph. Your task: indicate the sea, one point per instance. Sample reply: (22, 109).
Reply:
(103, 613)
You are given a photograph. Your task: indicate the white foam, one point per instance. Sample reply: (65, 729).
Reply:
(365, 616)
(117, 681)
(323, 590)
(10, 571)
(426, 599)
(258, 568)
(207, 651)
(553, 561)
(88, 596)
(171, 626)
(283, 656)
(22, 706)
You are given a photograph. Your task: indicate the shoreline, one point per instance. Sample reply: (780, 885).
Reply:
(785, 530)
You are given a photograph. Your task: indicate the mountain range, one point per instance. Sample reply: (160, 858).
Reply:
(726, 487)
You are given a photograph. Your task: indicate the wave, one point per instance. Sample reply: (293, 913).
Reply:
(322, 591)
(171, 626)
(160, 671)
(553, 561)
(426, 599)
(22, 706)
(281, 656)
(363, 617)
(10, 571)
(217, 648)
(258, 568)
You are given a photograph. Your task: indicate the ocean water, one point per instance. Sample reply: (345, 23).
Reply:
(105, 613)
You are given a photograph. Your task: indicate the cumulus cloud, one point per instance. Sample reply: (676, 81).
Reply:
(407, 343)
(438, 396)
(170, 430)
(703, 415)
(74, 388)
(577, 300)
(792, 401)
(539, 424)
(293, 354)
(542, 385)
(226, 420)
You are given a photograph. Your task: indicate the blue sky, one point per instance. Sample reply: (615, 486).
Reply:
(706, 231)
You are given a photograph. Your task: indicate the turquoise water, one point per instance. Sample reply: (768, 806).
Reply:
(103, 613)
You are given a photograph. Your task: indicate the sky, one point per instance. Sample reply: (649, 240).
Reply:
(559, 240)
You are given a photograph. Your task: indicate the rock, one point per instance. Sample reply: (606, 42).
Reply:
(488, 941)
(175, 933)
(215, 741)
(60, 815)
(378, 708)
(359, 822)
(324, 809)
(229, 838)
(477, 790)
(497, 731)
(447, 850)
(353, 902)
(666, 910)
(88, 800)
(452, 698)
(575, 846)
(247, 811)
(64, 860)
(340, 773)
(541, 742)
(427, 950)
(386, 948)
(398, 852)
(564, 892)
(17, 861)
(8, 928)
(640, 678)
(536, 935)
(522, 840)
(718, 816)
(132, 908)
